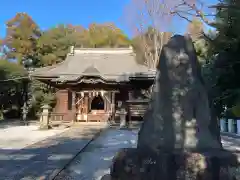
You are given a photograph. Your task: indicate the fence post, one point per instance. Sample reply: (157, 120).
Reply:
(238, 126)
(230, 126)
(122, 114)
(223, 125)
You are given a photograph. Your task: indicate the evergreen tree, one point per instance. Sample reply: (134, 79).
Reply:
(226, 52)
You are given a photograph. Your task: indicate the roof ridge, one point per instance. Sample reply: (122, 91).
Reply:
(128, 50)
(103, 48)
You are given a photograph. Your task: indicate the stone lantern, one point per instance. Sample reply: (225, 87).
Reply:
(44, 118)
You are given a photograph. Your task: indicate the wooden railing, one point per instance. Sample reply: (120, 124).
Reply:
(57, 117)
(137, 108)
(94, 117)
(99, 117)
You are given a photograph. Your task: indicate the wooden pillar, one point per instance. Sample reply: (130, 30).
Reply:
(86, 106)
(74, 108)
(105, 102)
(113, 108)
(109, 102)
(130, 97)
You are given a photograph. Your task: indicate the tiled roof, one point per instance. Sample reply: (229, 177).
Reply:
(116, 64)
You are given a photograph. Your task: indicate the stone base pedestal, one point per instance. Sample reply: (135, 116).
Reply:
(45, 127)
(134, 164)
(123, 122)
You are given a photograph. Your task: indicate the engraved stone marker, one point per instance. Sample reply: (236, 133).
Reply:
(179, 114)
(178, 138)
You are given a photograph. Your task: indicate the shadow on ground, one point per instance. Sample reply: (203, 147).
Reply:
(41, 159)
(231, 143)
(96, 159)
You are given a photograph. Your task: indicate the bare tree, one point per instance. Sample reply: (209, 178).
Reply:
(189, 9)
(158, 14)
(148, 21)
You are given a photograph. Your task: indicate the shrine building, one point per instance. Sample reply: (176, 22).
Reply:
(93, 84)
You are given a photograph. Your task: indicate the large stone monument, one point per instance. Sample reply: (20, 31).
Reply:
(178, 139)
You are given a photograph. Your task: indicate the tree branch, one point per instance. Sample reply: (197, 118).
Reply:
(193, 7)
(177, 13)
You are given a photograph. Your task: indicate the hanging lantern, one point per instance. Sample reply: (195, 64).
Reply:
(82, 93)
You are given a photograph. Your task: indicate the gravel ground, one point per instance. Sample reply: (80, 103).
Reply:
(18, 137)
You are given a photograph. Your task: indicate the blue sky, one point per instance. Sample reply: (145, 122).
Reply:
(48, 13)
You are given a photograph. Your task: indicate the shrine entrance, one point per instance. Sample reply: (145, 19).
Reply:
(97, 103)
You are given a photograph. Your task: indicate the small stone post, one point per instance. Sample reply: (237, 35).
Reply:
(44, 118)
(230, 125)
(122, 114)
(222, 125)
